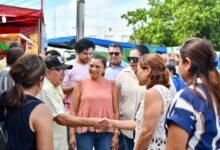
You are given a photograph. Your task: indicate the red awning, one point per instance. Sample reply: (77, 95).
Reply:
(19, 20)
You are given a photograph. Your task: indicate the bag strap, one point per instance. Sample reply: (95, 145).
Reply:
(27, 102)
(3, 105)
(2, 93)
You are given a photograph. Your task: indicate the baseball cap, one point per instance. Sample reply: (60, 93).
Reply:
(56, 62)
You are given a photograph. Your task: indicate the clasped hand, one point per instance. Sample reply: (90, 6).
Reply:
(104, 124)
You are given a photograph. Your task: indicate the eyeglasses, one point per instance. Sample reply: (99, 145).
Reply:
(134, 59)
(113, 53)
(58, 70)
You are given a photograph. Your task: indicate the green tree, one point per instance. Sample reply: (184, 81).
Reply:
(170, 22)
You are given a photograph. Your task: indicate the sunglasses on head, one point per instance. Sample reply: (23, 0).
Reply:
(113, 53)
(134, 59)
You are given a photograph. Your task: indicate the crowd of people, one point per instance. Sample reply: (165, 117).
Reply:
(89, 103)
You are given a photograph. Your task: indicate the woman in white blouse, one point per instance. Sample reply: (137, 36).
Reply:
(150, 117)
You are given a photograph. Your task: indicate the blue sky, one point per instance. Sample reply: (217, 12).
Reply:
(98, 13)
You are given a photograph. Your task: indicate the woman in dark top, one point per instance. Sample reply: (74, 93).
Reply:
(28, 123)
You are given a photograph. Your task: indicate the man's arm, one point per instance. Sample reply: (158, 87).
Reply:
(115, 95)
(73, 121)
(67, 90)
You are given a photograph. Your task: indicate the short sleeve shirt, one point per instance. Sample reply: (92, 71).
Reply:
(131, 96)
(53, 97)
(192, 113)
(78, 72)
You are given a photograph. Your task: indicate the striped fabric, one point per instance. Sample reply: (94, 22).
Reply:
(199, 119)
(6, 82)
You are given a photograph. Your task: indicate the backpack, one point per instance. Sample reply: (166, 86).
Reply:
(3, 132)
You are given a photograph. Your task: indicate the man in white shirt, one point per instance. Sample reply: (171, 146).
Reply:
(14, 53)
(52, 95)
(130, 95)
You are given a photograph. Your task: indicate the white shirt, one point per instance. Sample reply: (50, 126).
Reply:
(158, 141)
(53, 97)
(131, 95)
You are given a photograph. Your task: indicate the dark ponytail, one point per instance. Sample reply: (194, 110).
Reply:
(16, 93)
(203, 65)
(212, 84)
(27, 71)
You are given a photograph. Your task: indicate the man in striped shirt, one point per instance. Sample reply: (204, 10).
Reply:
(13, 54)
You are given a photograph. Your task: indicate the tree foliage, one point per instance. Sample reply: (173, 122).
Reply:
(170, 22)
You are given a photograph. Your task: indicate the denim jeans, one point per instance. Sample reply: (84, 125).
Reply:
(88, 140)
(125, 143)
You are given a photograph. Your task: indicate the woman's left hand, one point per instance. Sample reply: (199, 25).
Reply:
(115, 142)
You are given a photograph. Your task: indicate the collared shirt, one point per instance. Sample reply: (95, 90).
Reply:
(78, 72)
(6, 82)
(131, 95)
(53, 97)
(111, 73)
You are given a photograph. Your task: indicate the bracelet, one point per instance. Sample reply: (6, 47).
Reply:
(116, 132)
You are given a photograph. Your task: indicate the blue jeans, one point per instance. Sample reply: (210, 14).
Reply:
(88, 140)
(125, 143)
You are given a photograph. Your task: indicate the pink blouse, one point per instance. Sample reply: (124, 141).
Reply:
(96, 100)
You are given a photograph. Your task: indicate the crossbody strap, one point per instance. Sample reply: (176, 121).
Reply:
(2, 104)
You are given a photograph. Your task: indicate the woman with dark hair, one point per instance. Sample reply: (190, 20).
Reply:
(95, 97)
(177, 80)
(142, 49)
(28, 123)
(150, 117)
(193, 118)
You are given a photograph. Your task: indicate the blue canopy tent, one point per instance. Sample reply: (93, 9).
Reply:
(68, 43)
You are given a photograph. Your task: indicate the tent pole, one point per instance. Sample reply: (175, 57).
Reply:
(42, 5)
(80, 19)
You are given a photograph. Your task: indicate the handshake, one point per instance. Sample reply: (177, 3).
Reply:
(103, 124)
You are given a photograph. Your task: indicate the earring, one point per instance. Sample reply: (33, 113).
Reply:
(38, 88)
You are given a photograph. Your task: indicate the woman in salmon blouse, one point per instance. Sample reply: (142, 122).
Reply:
(95, 97)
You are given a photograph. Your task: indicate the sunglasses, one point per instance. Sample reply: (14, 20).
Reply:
(113, 53)
(134, 59)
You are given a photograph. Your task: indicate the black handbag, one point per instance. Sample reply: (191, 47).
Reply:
(3, 132)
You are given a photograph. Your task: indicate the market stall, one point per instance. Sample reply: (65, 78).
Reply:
(23, 25)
